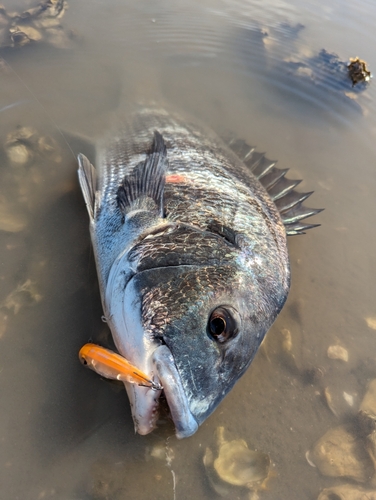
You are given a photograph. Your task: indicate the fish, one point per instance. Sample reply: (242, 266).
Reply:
(189, 233)
(111, 365)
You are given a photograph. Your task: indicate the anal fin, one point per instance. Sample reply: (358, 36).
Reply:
(281, 190)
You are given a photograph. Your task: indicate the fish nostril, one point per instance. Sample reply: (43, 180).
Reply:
(160, 339)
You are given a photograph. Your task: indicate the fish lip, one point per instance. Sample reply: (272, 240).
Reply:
(184, 421)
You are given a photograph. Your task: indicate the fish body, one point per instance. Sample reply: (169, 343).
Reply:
(191, 256)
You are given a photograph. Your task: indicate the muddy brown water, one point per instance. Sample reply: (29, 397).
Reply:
(64, 432)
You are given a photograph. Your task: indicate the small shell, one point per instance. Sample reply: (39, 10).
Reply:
(341, 454)
(329, 401)
(19, 154)
(236, 466)
(18, 145)
(348, 398)
(338, 352)
(371, 322)
(240, 466)
(21, 36)
(308, 458)
(347, 492)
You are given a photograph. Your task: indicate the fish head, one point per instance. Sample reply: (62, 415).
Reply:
(202, 320)
(212, 319)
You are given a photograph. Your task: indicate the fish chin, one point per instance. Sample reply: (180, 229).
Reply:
(144, 400)
(144, 405)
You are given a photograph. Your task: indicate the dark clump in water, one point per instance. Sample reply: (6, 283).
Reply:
(324, 79)
(358, 72)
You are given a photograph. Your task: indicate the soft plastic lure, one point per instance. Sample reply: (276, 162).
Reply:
(110, 365)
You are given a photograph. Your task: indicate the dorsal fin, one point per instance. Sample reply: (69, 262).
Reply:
(87, 179)
(299, 228)
(281, 190)
(146, 181)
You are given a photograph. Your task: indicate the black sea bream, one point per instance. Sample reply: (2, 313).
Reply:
(189, 236)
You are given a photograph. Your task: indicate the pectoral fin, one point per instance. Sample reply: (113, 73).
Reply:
(87, 178)
(146, 182)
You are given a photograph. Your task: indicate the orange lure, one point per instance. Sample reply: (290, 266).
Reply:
(108, 364)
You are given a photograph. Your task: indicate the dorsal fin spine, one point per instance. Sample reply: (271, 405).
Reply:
(281, 190)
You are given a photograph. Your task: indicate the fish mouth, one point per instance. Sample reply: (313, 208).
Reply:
(145, 401)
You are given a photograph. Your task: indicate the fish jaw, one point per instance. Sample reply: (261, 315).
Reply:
(123, 313)
(144, 400)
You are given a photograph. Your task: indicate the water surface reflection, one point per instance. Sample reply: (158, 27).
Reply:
(67, 434)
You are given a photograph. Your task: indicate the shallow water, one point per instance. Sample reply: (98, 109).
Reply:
(67, 434)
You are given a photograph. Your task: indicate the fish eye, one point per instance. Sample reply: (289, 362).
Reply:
(222, 325)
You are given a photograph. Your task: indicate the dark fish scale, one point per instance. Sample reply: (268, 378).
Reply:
(176, 294)
(185, 246)
(181, 205)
